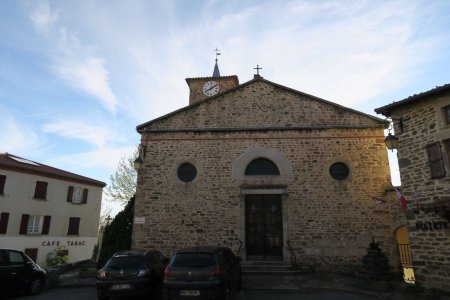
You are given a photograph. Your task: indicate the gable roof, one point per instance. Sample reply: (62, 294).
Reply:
(439, 90)
(142, 127)
(22, 165)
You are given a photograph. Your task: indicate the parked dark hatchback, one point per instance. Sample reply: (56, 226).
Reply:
(132, 273)
(18, 272)
(202, 273)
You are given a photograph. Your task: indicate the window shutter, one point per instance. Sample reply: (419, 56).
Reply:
(70, 194)
(435, 160)
(85, 196)
(74, 224)
(2, 183)
(24, 224)
(46, 225)
(4, 217)
(40, 191)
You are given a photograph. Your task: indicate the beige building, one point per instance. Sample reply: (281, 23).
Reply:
(422, 126)
(264, 169)
(42, 207)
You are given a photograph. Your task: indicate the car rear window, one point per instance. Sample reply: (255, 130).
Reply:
(126, 262)
(194, 260)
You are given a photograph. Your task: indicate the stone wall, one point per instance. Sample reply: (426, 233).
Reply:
(328, 222)
(423, 124)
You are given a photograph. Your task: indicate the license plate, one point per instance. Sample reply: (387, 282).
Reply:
(120, 286)
(189, 293)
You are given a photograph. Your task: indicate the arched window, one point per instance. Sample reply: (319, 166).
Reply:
(262, 166)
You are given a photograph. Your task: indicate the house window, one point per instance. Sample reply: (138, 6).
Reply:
(447, 114)
(34, 224)
(2, 183)
(339, 171)
(40, 192)
(77, 195)
(31, 253)
(187, 172)
(447, 150)
(262, 166)
(4, 217)
(435, 160)
(74, 226)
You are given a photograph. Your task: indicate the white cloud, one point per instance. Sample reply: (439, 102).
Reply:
(96, 135)
(16, 137)
(42, 17)
(105, 158)
(89, 75)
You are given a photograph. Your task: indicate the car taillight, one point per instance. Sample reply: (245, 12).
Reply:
(168, 274)
(214, 274)
(102, 274)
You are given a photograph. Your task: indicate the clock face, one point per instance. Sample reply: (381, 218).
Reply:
(210, 88)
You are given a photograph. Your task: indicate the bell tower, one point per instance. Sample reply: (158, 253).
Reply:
(202, 88)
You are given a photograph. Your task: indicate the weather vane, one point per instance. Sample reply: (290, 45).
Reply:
(217, 52)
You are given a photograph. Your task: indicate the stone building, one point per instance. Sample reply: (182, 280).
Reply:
(263, 169)
(422, 126)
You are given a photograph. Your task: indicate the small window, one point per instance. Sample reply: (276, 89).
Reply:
(339, 171)
(435, 160)
(2, 183)
(31, 253)
(40, 192)
(447, 150)
(77, 195)
(262, 166)
(447, 114)
(34, 224)
(74, 226)
(187, 172)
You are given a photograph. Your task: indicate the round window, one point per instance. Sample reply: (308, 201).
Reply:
(339, 171)
(187, 172)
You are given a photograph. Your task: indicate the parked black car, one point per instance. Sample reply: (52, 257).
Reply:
(132, 273)
(202, 273)
(18, 272)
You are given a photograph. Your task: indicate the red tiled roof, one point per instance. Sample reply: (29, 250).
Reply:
(22, 165)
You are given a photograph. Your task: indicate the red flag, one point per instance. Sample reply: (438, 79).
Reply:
(402, 199)
(377, 200)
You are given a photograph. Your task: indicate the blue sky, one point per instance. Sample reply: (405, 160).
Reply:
(76, 77)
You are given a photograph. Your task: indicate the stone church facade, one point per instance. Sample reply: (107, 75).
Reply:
(263, 169)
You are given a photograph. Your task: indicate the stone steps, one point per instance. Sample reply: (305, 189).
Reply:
(268, 267)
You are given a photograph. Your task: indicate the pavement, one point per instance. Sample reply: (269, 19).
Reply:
(84, 276)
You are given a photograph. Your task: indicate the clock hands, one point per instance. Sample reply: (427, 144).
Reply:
(211, 87)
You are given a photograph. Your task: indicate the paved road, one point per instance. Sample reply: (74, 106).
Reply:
(89, 293)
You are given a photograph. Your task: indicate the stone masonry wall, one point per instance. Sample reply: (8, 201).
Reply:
(423, 124)
(328, 222)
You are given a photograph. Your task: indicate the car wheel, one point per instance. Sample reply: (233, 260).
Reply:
(35, 286)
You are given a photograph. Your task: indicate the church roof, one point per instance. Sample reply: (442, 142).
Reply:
(375, 120)
(216, 72)
(22, 165)
(386, 110)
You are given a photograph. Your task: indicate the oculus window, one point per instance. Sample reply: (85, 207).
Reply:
(339, 171)
(262, 166)
(187, 172)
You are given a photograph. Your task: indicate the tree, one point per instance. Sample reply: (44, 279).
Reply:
(123, 182)
(117, 235)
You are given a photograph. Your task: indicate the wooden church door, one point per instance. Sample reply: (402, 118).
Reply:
(263, 227)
